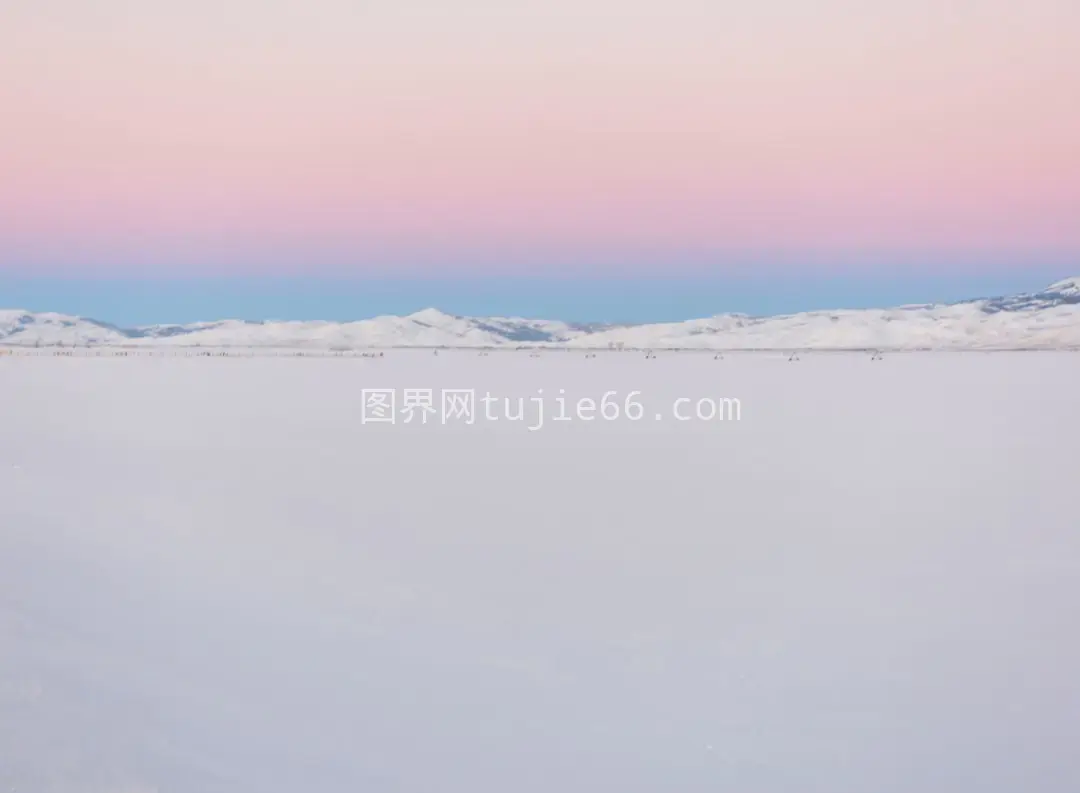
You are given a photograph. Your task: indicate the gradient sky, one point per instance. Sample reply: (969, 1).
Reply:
(473, 141)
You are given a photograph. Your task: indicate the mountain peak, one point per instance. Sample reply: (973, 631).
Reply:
(430, 316)
(1069, 287)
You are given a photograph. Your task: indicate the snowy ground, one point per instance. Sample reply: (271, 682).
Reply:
(215, 578)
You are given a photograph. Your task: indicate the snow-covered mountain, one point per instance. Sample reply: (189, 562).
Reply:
(1047, 319)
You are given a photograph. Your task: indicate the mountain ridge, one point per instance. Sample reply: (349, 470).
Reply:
(1046, 319)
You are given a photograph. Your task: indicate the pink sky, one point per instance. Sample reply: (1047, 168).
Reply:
(383, 130)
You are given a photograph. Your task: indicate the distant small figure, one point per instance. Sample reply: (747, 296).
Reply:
(794, 357)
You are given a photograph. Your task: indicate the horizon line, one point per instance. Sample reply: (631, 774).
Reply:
(99, 320)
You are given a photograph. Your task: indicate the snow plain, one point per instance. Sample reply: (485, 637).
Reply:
(214, 578)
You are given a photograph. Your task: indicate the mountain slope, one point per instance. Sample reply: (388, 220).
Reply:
(1047, 319)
